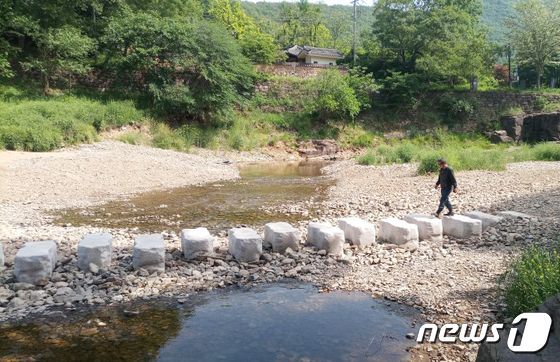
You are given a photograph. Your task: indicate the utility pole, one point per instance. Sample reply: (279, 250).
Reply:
(509, 65)
(354, 2)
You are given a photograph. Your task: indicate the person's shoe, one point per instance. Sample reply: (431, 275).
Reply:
(438, 215)
(450, 213)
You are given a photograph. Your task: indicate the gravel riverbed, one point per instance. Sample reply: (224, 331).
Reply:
(449, 281)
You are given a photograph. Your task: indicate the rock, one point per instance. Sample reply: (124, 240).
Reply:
(500, 137)
(541, 127)
(461, 227)
(514, 215)
(357, 231)
(16, 303)
(35, 262)
(2, 259)
(197, 242)
(149, 253)
(499, 351)
(245, 244)
(486, 219)
(281, 236)
(513, 126)
(327, 237)
(312, 229)
(95, 249)
(315, 148)
(429, 227)
(398, 232)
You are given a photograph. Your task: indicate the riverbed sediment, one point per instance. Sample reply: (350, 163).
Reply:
(449, 281)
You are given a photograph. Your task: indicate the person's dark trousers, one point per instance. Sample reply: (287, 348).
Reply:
(444, 201)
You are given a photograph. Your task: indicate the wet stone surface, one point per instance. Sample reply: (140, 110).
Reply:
(217, 206)
(282, 321)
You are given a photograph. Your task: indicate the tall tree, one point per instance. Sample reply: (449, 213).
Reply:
(535, 30)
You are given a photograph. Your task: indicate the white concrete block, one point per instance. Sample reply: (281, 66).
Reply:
(312, 229)
(514, 215)
(149, 253)
(357, 231)
(429, 227)
(461, 227)
(486, 219)
(95, 249)
(35, 262)
(281, 235)
(245, 244)
(398, 232)
(328, 238)
(197, 242)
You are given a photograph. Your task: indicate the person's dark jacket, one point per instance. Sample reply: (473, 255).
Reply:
(446, 178)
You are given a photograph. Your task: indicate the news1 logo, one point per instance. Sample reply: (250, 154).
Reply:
(532, 338)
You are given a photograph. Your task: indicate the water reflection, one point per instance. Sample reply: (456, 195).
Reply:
(217, 206)
(282, 322)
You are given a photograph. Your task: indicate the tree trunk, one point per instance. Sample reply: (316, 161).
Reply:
(474, 84)
(538, 80)
(46, 84)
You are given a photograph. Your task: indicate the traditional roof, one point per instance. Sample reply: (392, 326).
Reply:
(300, 52)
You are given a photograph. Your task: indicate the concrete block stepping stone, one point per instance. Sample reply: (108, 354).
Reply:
(312, 229)
(2, 259)
(245, 244)
(197, 242)
(487, 219)
(149, 253)
(398, 232)
(514, 215)
(357, 231)
(281, 235)
(429, 227)
(94, 252)
(327, 237)
(461, 227)
(35, 262)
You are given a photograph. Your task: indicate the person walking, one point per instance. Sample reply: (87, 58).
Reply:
(447, 183)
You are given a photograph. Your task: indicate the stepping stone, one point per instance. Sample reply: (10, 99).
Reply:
(95, 251)
(35, 262)
(461, 227)
(281, 235)
(429, 227)
(398, 232)
(312, 229)
(197, 242)
(515, 215)
(245, 244)
(326, 237)
(357, 231)
(2, 259)
(487, 219)
(149, 253)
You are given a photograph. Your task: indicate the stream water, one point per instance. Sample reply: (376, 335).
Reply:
(217, 206)
(279, 322)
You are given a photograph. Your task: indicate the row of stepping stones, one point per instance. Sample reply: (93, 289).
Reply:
(35, 262)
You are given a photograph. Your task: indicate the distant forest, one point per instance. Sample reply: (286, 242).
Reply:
(494, 13)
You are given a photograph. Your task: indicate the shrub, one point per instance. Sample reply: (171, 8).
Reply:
(335, 98)
(134, 138)
(428, 163)
(540, 103)
(164, 137)
(532, 278)
(547, 152)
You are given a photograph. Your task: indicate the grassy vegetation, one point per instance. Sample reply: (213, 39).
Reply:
(532, 278)
(34, 123)
(462, 152)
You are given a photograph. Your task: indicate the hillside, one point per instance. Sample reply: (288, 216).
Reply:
(494, 13)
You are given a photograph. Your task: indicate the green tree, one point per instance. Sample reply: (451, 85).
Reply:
(255, 44)
(535, 32)
(335, 99)
(62, 52)
(189, 70)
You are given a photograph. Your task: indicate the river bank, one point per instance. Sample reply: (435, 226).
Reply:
(451, 281)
